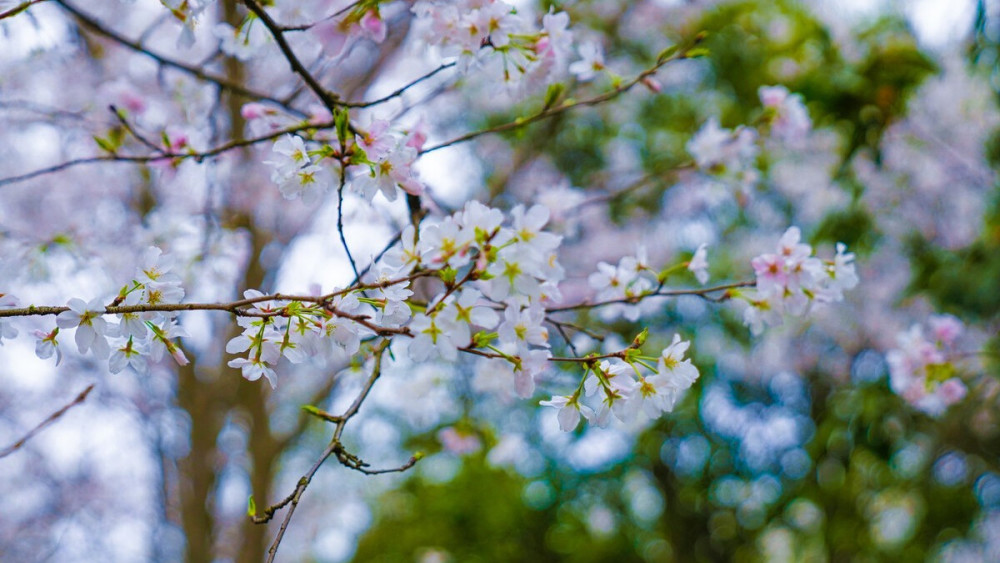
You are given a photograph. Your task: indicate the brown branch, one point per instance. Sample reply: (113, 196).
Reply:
(52, 418)
(334, 448)
(120, 116)
(234, 307)
(19, 8)
(195, 71)
(400, 91)
(704, 293)
(328, 98)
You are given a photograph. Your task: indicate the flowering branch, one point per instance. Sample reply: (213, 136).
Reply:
(555, 110)
(167, 155)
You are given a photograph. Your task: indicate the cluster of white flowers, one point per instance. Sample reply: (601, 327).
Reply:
(727, 155)
(730, 156)
(786, 114)
(297, 331)
(516, 268)
(388, 162)
(484, 266)
(921, 371)
(791, 279)
(474, 30)
(295, 172)
(634, 279)
(625, 395)
(136, 336)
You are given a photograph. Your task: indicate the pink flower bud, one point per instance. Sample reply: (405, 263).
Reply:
(254, 110)
(373, 26)
(179, 356)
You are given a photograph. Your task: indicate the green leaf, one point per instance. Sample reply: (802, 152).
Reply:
(481, 339)
(342, 121)
(105, 144)
(640, 338)
(552, 95)
(696, 53)
(667, 53)
(251, 507)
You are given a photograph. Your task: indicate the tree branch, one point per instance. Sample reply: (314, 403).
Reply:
(328, 98)
(195, 71)
(142, 159)
(52, 418)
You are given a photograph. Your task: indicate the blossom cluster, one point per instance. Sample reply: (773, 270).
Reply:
(386, 160)
(785, 113)
(633, 279)
(624, 391)
(473, 31)
(730, 155)
(922, 371)
(295, 171)
(381, 159)
(483, 266)
(790, 280)
(136, 335)
(727, 155)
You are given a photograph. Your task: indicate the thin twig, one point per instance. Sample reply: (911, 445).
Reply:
(19, 8)
(704, 293)
(340, 222)
(139, 136)
(392, 242)
(400, 91)
(337, 14)
(334, 448)
(292, 501)
(52, 418)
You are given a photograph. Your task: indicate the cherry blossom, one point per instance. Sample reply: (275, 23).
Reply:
(791, 279)
(591, 62)
(786, 113)
(569, 411)
(923, 372)
(91, 328)
(46, 345)
(698, 265)
(129, 354)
